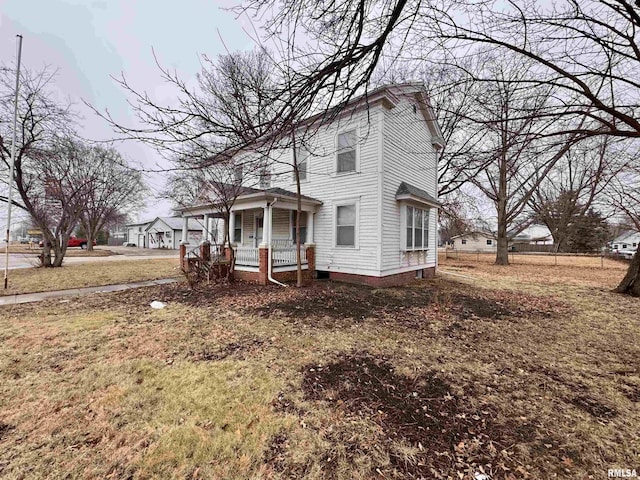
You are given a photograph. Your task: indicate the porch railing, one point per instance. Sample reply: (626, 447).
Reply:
(282, 256)
(247, 256)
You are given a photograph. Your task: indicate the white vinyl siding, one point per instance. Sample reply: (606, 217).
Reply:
(403, 153)
(409, 156)
(331, 188)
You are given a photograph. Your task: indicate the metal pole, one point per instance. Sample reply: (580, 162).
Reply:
(11, 166)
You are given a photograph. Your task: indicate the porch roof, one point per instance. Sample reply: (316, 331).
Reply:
(252, 194)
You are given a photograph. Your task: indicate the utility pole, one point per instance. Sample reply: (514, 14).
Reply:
(11, 166)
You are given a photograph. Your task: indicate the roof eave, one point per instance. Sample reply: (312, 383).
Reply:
(415, 198)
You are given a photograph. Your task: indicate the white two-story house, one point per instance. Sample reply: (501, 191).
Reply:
(369, 186)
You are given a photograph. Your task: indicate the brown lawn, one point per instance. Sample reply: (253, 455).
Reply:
(71, 252)
(29, 280)
(520, 372)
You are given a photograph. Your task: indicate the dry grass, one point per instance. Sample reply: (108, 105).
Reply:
(503, 373)
(515, 258)
(31, 280)
(575, 270)
(72, 252)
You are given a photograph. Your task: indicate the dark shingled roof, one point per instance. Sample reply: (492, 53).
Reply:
(274, 191)
(406, 189)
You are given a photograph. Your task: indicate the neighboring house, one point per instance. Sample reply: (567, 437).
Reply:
(162, 232)
(534, 235)
(136, 234)
(476, 241)
(625, 242)
(166, 232)
(369, 201)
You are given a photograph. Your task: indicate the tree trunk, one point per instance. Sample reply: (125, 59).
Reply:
(89, 242)
(59, 249)
(298, 246)
(46, 254)
(227, 241)
(502, 252)
(296, 172)
(630, 284)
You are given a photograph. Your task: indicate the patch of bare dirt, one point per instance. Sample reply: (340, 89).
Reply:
(448, 434)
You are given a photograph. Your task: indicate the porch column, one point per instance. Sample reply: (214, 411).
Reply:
(310, 227)
(205, 229)
(232, 227)
(185, 231)
(266, 226)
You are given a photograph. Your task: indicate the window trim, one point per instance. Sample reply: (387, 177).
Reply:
(346, 129)
(344, 203)
(425, 228)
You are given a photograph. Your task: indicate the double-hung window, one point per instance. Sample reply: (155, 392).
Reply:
(237, 228)
(265, 178)
(237, 173)
(303, 226)
(417, 228)
(347, 143)
(302, 158)
(346, 223)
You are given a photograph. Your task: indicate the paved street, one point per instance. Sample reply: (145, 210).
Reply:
(24, 260)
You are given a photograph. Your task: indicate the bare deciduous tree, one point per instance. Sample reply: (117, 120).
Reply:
(58, 196)
(115, 188)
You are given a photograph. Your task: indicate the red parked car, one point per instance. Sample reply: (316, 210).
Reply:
(75, 242)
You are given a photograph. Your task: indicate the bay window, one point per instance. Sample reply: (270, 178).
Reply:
(416, 222)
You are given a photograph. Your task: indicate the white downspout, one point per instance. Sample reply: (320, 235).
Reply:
(269, 260)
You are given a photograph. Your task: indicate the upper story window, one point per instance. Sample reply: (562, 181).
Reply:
(464, 241)
(302, 157)
(347, 142)
(265, 177)
(489, 241)
(237, 173)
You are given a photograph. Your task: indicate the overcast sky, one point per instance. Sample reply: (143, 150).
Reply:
(88, 41)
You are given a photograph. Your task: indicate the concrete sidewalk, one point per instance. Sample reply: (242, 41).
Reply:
(37, 297)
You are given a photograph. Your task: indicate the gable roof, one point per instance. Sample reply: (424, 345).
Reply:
(624, 236)
(475, 233)
(248, 193)
(175, 223)
(388, 95)
(409, 192)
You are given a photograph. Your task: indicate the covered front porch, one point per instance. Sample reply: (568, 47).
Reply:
(262, 230)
